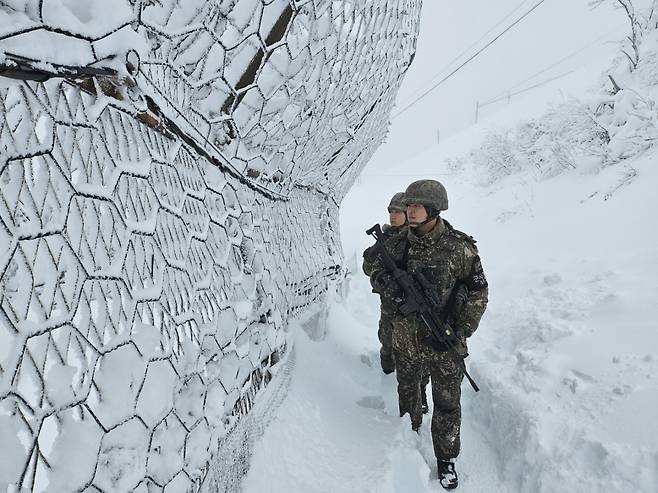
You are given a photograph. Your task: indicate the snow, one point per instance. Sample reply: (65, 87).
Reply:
(338, 429)
(75, 449)
(156, 397)
(566, 354)
(122, 459)
(9, 430)
(91, 18)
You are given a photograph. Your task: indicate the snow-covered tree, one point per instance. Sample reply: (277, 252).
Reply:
(641, 18)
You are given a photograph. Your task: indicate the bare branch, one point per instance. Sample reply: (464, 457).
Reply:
(630, 59)
(615, 86)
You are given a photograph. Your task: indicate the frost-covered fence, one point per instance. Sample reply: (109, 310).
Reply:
(170, 174)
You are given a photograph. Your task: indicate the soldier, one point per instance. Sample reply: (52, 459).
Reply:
(449, 260)
(394, 232)
(396, 241)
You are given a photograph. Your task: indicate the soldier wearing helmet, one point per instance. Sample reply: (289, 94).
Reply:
(449, 259)
(395, 232)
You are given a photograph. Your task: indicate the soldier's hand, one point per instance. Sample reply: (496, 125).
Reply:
(452, 334)
(396, 297)
(459, 332)
(381, 280)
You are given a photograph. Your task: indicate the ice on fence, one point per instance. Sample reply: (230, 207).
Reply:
(168, 202)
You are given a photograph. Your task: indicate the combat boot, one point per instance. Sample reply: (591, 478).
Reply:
(387, 361)
(447, 474)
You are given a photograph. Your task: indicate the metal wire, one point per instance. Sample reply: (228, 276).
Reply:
(159, 228)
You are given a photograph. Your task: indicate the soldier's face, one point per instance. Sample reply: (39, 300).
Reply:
(397, 218)
(416, 214)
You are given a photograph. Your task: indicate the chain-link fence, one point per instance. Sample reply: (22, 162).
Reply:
(169, 181)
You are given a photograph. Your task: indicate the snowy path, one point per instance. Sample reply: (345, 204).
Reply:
(567, 351)
(338, 430)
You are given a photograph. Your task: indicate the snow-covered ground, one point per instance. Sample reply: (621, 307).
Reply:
(567, 352)
(566, 355)
(338, 429)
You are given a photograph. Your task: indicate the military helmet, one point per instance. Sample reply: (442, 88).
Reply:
(397, 203)
(429, 193)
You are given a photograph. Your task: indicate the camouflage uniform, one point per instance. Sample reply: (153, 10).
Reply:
(395, 238)
(446, 257)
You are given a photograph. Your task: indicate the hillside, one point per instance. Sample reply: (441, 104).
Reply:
(567, 353)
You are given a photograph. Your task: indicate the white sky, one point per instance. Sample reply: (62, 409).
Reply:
(448, 28)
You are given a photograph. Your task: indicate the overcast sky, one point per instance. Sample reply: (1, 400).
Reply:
(553, 31)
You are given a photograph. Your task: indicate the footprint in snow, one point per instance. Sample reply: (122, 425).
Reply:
(371, 402)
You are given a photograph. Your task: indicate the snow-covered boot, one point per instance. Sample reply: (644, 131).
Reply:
(423, 396)
(387, 361)
(447, 474)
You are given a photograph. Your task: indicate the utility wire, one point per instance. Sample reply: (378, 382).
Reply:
(504, 93)
(468, 48)
(477, 53)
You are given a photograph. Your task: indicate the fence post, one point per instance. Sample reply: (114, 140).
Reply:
(477, 111)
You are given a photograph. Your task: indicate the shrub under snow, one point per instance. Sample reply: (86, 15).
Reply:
(615, 123)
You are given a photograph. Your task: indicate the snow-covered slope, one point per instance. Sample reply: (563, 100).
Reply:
(567, 352)
(566, 356)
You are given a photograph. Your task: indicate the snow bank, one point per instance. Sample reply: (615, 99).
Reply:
(565, 356)
(566, 352)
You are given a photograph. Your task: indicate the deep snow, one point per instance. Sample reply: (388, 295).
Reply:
(566, 355)
(338, 429)
(567, 352)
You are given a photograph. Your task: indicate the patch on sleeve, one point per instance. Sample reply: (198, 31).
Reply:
(476, 280)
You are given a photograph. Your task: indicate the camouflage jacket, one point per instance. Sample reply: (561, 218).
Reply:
(395, 239)
(448, 257)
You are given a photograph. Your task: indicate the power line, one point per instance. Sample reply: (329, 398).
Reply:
(506, 92)
(469, 47)
(509, 95)
(468, 60)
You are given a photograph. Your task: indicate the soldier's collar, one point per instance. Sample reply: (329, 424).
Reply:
(394, 230)
(431, 236)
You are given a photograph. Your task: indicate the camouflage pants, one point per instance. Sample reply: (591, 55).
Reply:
(414, 360)
(385, 334)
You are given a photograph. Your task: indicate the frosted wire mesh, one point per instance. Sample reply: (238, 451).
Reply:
(169, 187)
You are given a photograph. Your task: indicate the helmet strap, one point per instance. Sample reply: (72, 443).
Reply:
(432, 214)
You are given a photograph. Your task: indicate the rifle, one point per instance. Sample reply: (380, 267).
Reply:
(422, 300)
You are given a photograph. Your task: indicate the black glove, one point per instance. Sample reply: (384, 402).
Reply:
(452, 337)
(451, 333)
(384, 283)
(370, 254)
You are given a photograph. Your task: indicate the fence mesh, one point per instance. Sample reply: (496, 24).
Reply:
(170, 176)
